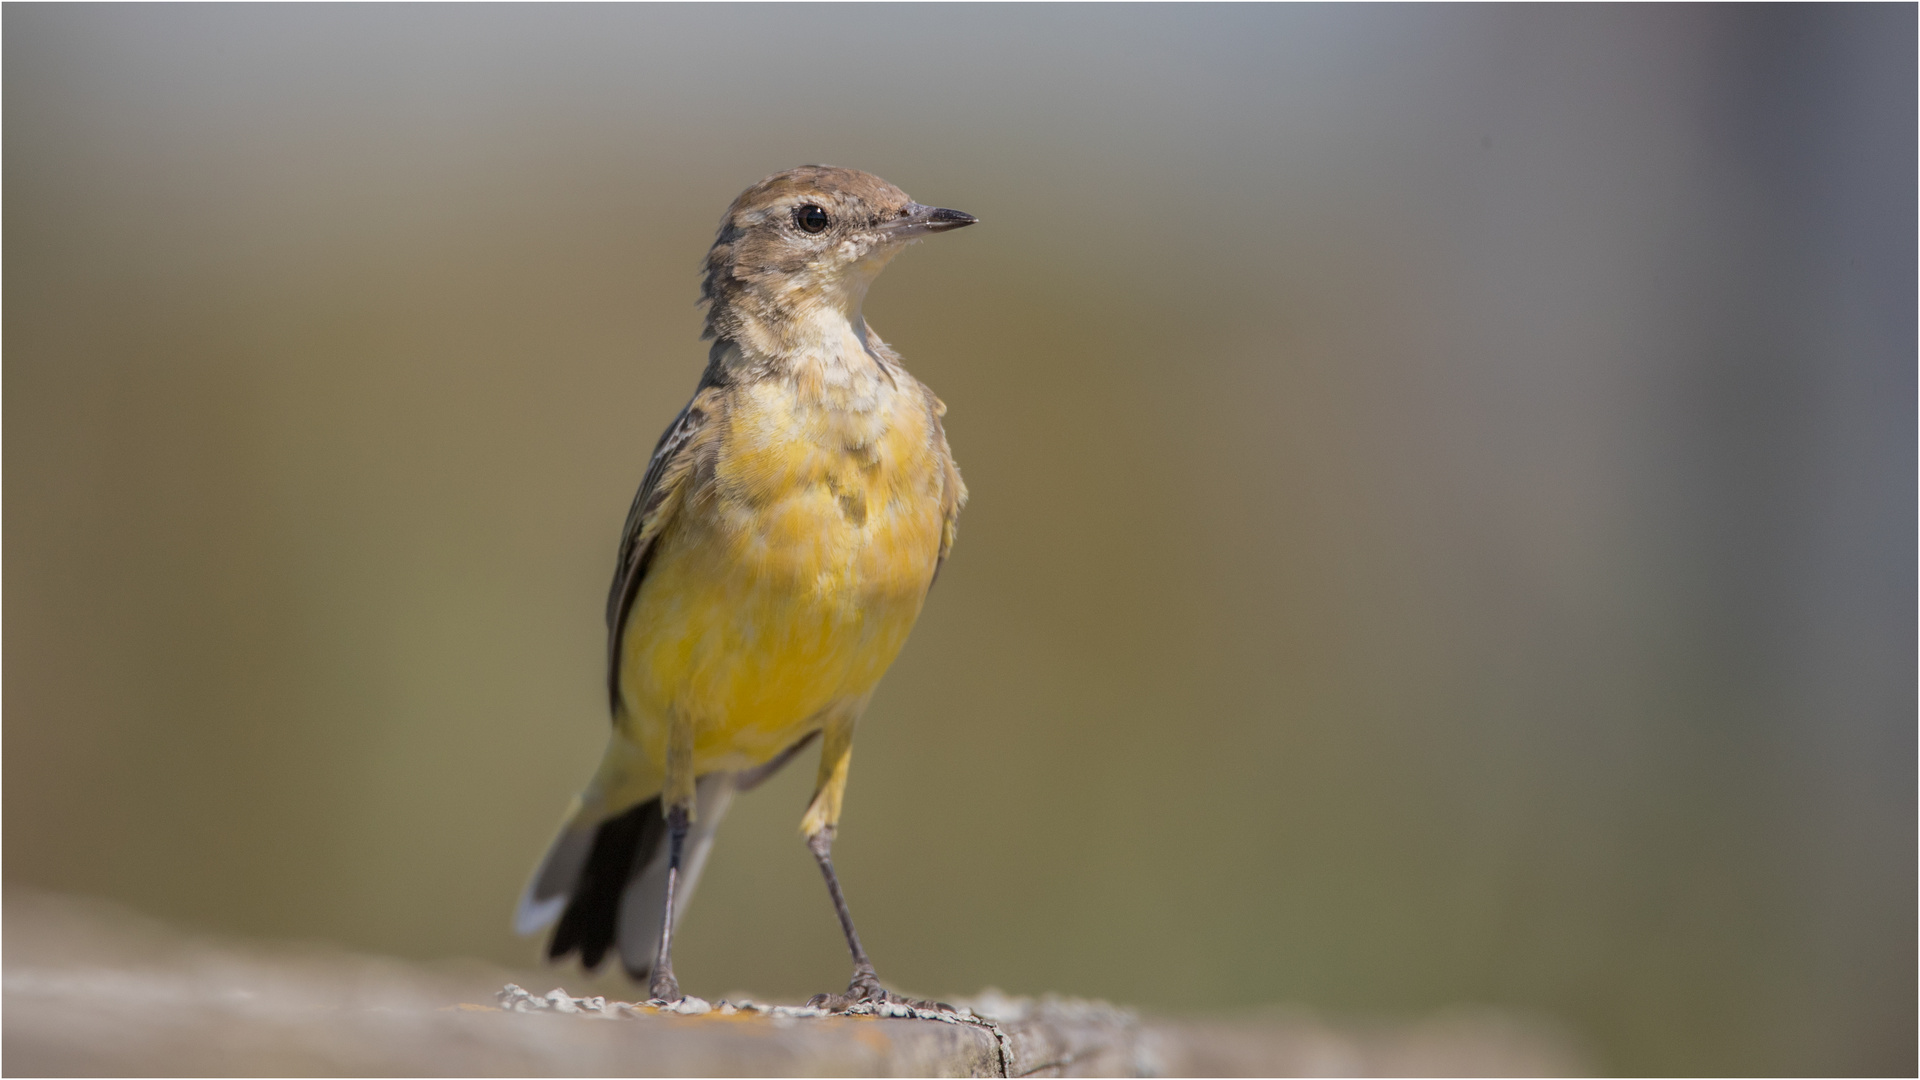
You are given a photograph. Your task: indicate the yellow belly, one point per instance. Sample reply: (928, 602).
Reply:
(786, 583)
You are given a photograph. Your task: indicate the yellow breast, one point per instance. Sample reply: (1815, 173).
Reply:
(791, 575)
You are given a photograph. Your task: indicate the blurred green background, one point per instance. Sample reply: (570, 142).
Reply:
(1443, 513)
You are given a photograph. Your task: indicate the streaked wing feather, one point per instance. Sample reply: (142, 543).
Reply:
(653, 506)
(953, 490)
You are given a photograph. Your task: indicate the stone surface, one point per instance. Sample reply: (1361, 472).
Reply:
(91, 989)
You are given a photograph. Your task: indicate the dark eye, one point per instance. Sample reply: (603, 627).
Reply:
(810, 218)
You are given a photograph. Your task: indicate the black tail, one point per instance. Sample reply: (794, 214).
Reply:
(622, 847)
(604, 885)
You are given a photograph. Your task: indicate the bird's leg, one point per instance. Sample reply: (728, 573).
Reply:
(664, 986)
(678, 797)
(866, 983)
(818, 826)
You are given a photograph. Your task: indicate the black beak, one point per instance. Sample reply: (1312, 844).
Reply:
(921, 220)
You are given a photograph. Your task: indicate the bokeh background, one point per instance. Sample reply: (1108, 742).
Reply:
(1443, 522)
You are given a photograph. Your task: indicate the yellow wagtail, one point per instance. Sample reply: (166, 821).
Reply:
(792, 520)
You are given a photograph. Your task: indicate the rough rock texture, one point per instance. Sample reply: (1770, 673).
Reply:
(93, 990)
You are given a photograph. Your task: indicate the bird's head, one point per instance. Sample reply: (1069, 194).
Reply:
(806, 243)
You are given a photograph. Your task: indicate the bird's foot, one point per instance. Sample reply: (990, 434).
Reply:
(665, 988)
(865, 989)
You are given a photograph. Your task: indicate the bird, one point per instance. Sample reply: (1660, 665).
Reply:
(790, 524)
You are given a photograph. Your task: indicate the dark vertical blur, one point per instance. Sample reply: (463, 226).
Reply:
(1443, 524)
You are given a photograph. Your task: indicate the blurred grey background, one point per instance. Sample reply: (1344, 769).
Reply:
(1443, 523)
